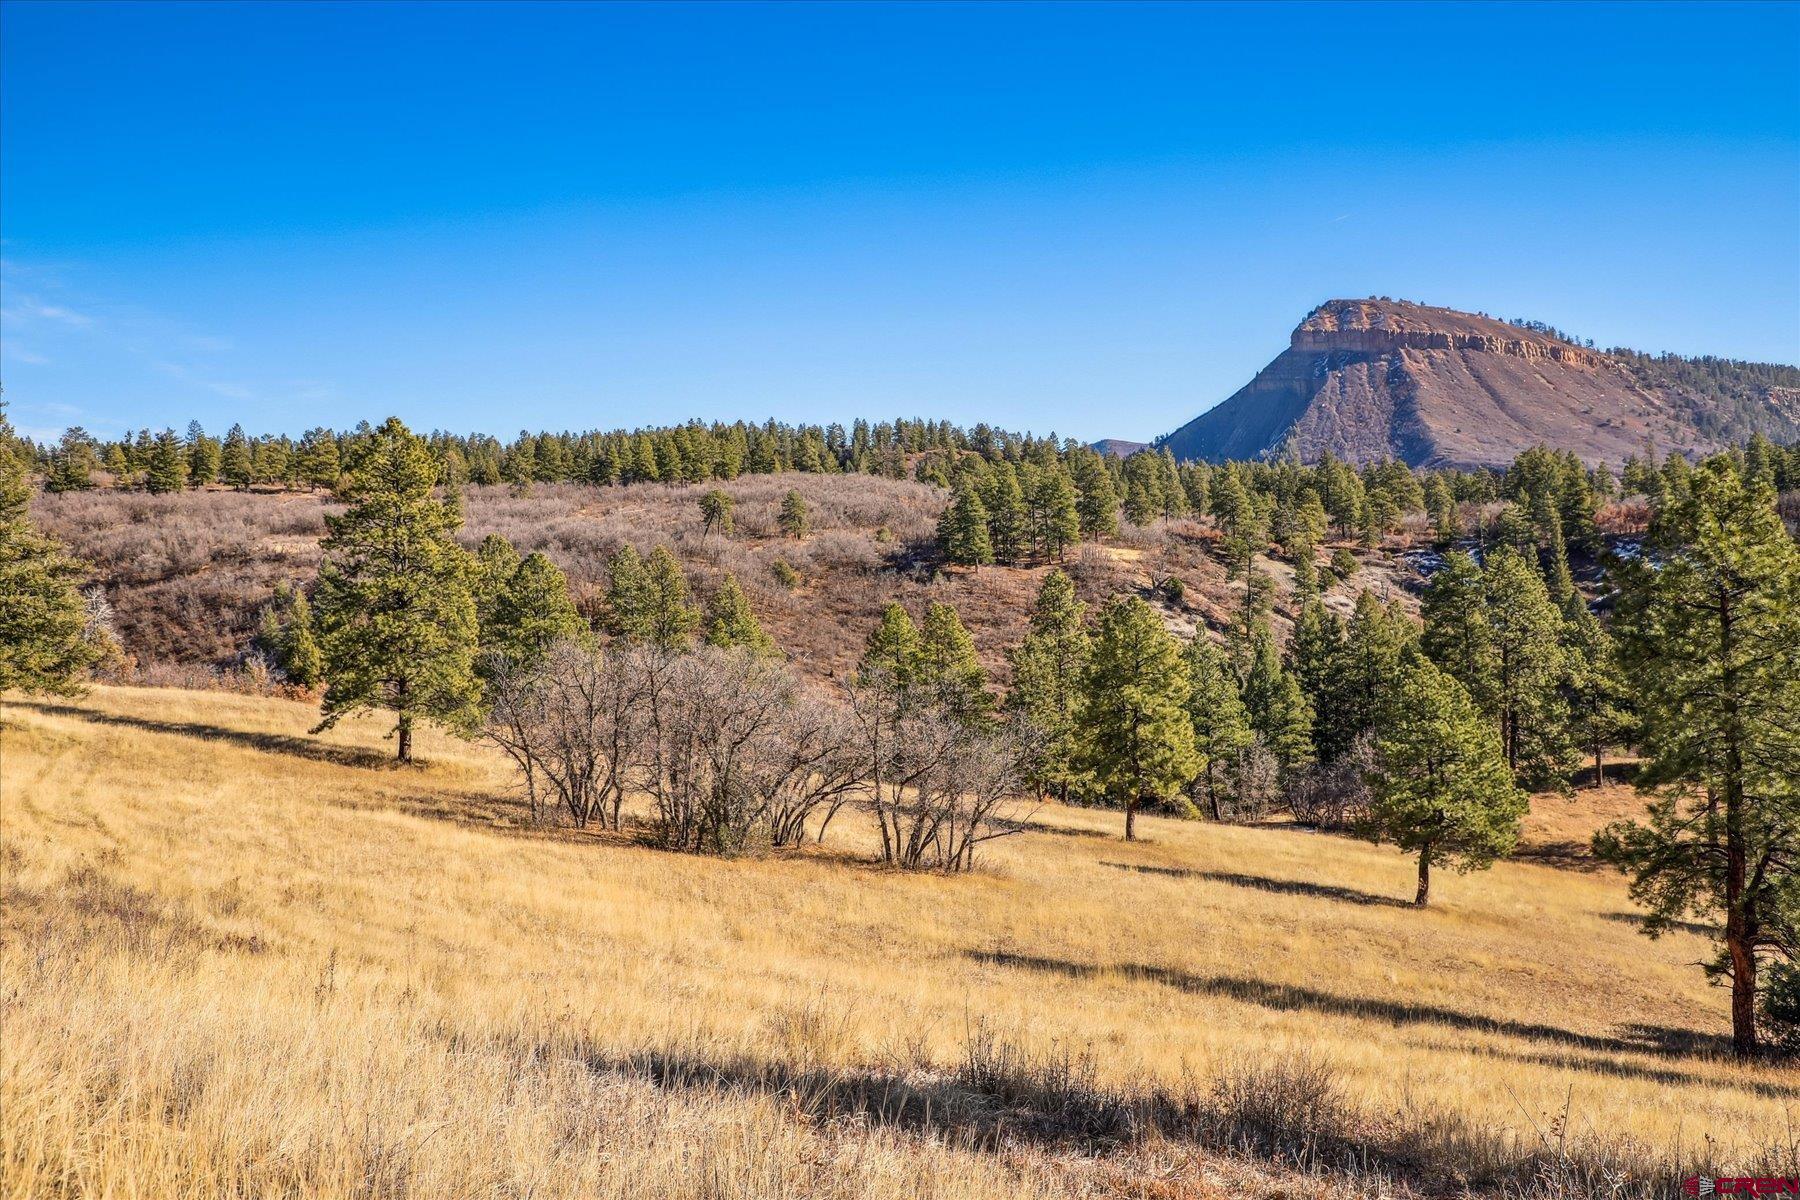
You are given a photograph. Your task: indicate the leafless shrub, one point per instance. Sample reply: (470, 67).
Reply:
(938, 784)
(1335, 795)
(572, 723)
(731, 750)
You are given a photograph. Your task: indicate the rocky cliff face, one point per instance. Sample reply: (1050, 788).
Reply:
(1373, 379)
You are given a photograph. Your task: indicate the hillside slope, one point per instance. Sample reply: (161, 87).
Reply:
(1373, 379)
(186, 573)
(242, 960)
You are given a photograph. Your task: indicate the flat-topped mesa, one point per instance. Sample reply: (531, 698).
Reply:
(1366, 380)
(1385, 326)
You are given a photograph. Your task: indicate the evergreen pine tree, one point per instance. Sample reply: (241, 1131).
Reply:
(891, 657)
(72, 464)
(731, 623)
(235, 465)
(672, 615)
(45, 645)
(320, 463)
(1709, 633)
(168, 464)
(1313, 651)
(531, 611)
(1008, 530)
(203, 456)
(1097, 506)
(1528, 669)
(1137, 738)
(1362, 693)
(1278, 710)
(1047, 676)
(1457, 635)
(948, 666)
(795, 516)
(715, 512)
(1221, 726)
(396, 614)
(286, 635)
(628, 601)
(1443, 790)
(962, 531)
(1598, 696)
(1058, 524)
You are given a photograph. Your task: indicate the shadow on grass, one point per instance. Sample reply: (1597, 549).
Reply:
(1262, 883)
(267, 743)
(1289, 1113)
(1697, 928)
(1287, 997)
(500, 814)
(1669, 1077)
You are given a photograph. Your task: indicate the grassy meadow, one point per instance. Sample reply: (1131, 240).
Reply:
(242, 961)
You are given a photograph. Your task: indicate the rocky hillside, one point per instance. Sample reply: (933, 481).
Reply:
(1372, 379)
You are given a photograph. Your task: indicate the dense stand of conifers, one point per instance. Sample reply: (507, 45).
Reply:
(1426, 735)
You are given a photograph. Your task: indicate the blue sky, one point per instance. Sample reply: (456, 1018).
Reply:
(1094, 220)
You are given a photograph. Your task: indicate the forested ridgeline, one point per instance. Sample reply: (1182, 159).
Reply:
(1562, 614)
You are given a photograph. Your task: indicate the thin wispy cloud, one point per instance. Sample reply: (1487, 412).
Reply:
(47, 324)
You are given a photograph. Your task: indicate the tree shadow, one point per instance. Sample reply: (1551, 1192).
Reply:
(267, 743)
(1262, 883)
(1666, 1076)
(984, 1103)
(1636, 921)
(1287, 997)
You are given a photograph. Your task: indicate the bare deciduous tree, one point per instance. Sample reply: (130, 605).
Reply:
(937, 783)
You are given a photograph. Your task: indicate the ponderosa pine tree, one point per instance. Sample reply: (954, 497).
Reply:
(1528, 669)
(628, 596)
(236, 468)
(1457, 635)
(1362, 690)
(671, 614)
(962, 531)
(203, 455)
(732, 624)
(1008, 530)
(1137, 739)
(1221, 726)
(1097, 503)
(1314, 649)
(45, 645)
(1047, 677)
(531, 611)
(1595, 689)
(287, 637)
(320, 463)
(1443, 790)
(1710, 638)
(395, 608)
(1057, 523)
(949, 667)
(794, 517)
(715, 513)
(1279, 711)
(72, 463)
(168, 467)
(890, 658)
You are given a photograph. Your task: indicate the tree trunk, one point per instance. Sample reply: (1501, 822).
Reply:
(1423, 896)
(1738, 920)
(405, 753)
(1599, 766)
(1130, 818)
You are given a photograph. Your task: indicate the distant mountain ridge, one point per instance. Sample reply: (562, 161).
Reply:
(1373, 379)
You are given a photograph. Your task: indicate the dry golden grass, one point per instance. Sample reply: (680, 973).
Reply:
(242, 961)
